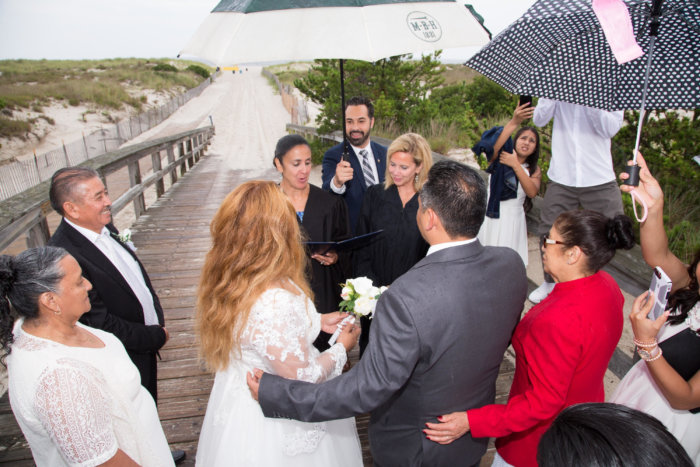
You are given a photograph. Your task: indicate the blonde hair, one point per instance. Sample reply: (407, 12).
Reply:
(415, 145)
(256, 243)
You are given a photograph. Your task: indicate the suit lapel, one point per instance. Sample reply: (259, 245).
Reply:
(380, 162)
(92, 254)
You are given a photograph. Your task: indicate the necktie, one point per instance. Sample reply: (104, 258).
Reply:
(366, 168)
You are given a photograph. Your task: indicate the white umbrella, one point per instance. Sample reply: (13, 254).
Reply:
(248, 31)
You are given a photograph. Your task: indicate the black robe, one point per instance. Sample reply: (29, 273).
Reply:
(399, 247)
(394, 251)
(326, 219)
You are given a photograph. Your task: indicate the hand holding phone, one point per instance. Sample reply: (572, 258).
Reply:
(525, 100)
(660, 286)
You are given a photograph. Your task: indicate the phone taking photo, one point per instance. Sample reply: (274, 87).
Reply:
(525, 100)
(661, 288)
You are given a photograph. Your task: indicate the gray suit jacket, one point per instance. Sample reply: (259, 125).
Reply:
(437, 341)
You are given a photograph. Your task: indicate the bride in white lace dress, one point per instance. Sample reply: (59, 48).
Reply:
(255, 311)
(74, 391)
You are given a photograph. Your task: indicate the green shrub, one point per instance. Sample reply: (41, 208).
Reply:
(165, 67)
(10, 128)
(318, 149)
(201, 71)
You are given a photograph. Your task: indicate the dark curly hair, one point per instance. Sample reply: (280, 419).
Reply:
(23, 279)
(683, 300)
(597, 235)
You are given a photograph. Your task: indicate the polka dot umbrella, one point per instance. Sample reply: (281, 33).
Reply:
(558, 50)
(563, 50)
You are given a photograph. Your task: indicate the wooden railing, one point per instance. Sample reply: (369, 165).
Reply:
(25, 214)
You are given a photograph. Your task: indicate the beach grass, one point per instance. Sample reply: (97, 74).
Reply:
(104, 84)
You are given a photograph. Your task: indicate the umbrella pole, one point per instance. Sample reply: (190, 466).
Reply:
(644, 98)
(346, 154)
(653, 32)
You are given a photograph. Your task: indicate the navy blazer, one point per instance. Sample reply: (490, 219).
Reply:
(355, 188)
(115, 307)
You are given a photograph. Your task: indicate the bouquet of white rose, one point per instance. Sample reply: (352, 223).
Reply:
(359, 299)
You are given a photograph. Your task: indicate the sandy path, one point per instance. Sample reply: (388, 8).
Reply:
(248, 116)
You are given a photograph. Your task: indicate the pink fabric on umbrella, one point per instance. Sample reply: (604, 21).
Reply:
(614, 18)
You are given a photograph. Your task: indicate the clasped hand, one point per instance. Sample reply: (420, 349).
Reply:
(326, 259)
(450, 427)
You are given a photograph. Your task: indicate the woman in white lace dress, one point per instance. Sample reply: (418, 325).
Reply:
(255, 310)
(74, 391)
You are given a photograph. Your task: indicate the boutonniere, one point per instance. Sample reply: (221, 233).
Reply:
(125, 237)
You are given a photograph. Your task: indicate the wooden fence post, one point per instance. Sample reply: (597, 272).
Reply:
(160, 185)
(183, 165)
(171, 158)
(134, 180)
(190, 160)
(39, 234)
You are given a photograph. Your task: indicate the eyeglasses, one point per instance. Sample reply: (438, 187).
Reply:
(550, 241)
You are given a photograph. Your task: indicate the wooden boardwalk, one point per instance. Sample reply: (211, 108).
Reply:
(172, 240)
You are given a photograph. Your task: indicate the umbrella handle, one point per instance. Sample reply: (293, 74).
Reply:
(633, 172)
(645, 208)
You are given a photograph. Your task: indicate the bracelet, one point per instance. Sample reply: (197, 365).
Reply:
(647, 355)
(649, 345)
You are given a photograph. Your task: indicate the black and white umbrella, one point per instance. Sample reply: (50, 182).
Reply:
(558, 50)
(254, 31)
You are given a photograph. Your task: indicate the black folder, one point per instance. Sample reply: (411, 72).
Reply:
(322, 248)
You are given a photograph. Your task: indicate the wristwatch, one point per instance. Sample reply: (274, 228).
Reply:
(649, 355)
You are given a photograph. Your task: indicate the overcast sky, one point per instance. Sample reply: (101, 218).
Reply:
(94, 29)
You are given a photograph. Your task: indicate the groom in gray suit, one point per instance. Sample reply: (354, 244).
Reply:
(437, 341)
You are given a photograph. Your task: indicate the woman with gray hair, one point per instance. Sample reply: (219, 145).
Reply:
(73, 389)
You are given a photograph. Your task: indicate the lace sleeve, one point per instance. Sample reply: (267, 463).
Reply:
(75, 413)
(279, 323)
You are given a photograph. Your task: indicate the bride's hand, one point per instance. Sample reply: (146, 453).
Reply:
(349, 336)
(330, 321)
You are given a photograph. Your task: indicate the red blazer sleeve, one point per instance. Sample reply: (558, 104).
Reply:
(552, 352)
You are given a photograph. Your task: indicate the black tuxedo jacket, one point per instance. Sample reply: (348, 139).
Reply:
(355, 188)
(115, 307)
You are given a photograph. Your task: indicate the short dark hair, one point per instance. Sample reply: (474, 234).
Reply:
(457, 194)
(23, 279)
(361, 100)
(63, 184)
(286, 143)
(605, 434)
(597, 236)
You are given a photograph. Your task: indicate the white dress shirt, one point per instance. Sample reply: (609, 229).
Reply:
(580, 142)
(441, 246)
(127, 267)
(372, 164)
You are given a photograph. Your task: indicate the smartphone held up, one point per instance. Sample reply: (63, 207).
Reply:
(661, 288)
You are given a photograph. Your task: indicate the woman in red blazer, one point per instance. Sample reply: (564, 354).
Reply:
(562, 345)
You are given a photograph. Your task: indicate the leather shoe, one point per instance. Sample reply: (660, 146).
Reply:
(178, 455)
(541, 292)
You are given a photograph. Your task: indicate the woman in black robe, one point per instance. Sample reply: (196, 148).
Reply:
(392, 207)
(323, 217)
